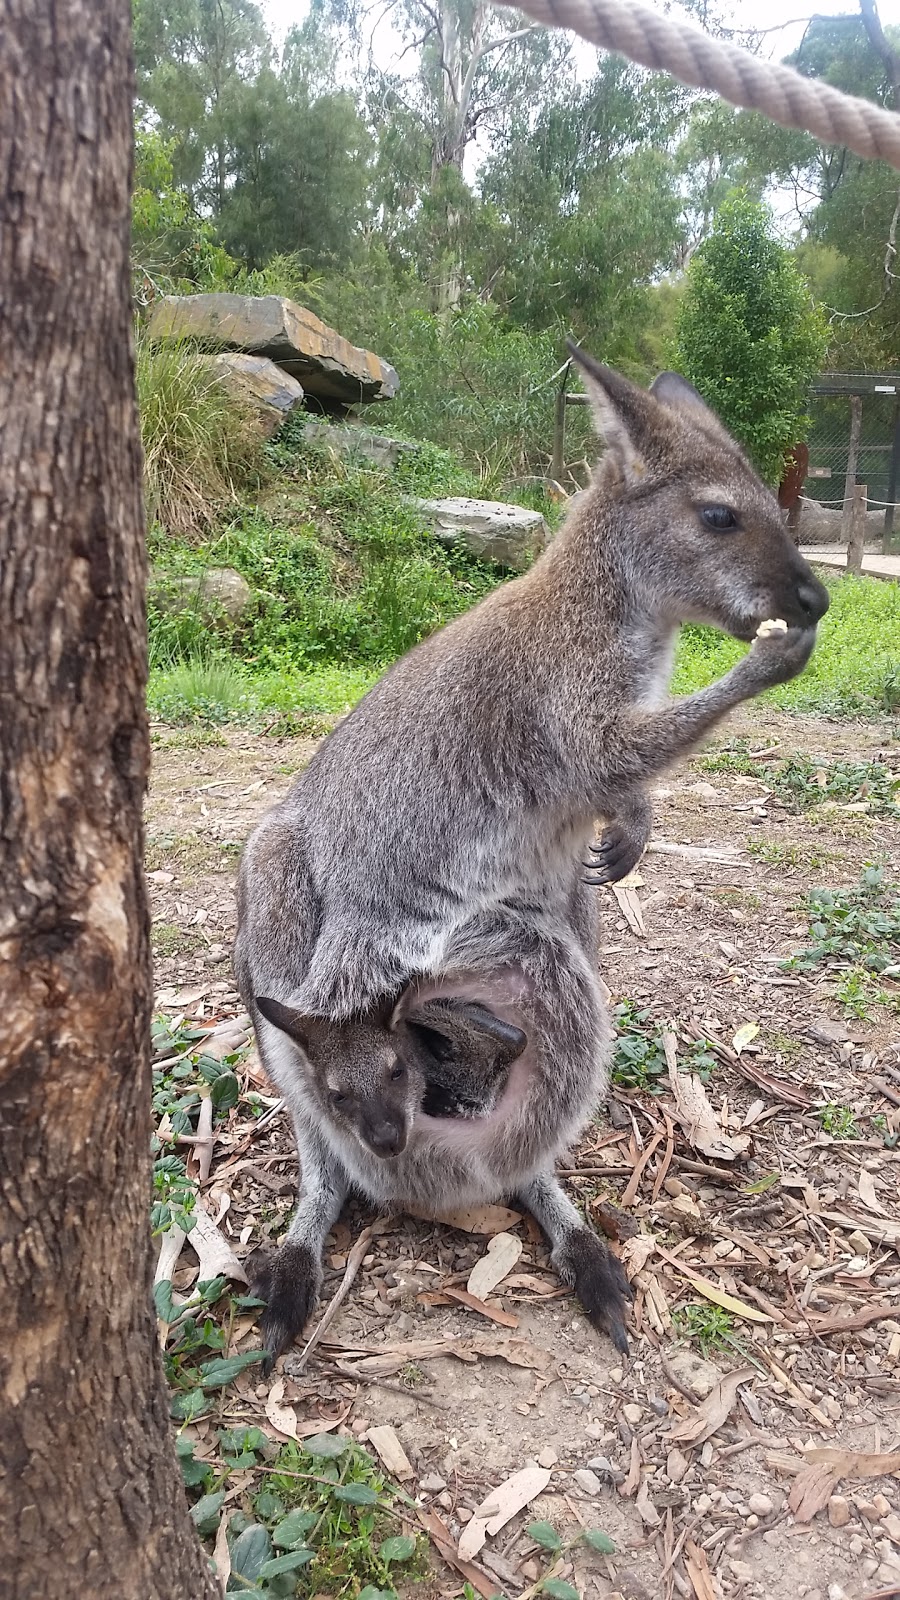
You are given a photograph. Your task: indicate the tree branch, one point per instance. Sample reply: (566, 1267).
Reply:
(882, 47)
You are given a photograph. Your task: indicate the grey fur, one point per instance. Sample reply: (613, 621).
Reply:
(433, 846)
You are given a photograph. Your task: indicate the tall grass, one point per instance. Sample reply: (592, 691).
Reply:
(201, 448)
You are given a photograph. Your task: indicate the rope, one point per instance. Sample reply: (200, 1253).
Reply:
(740, 78)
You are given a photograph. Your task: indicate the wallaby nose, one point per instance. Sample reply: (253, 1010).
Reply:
(386, 1139)
(813, 598)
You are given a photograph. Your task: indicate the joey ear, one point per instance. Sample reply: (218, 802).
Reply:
(295, 1024)
(464, 1029)
(676, 394)
(621, 413)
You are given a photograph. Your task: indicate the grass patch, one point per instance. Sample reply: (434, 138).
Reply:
(707, 1326)
(855, 668)
(201, 448)
(838, 1121)
(639, 1061)
(210, 694)
(802, 783)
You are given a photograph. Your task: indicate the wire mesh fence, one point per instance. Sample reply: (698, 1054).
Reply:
(830, 438)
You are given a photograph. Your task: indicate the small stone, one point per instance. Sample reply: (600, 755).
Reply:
(867, 1510)
(587, 1481)
(760, 1505)
(676, 1466)
(838, 1511)
(547, 1457)
(464, 1514)
(855, 1545)
(594, 1430)
(616, 1374)
(888, 1573)
(696, 1374)
(752, 1522)
(703, 1504)
(868, 1567)
(432, 1484)
(882, 1505)
(836, 1591)
(674, 1187)
(446, 1500)
(742, 1571)
(530, 1570)
(706, 1454)
(658, 1405)
(632, 1415)
(891, 1525)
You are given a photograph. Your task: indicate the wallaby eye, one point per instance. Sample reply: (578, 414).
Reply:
(397, 1073)
(337, 1098)
(722, 518)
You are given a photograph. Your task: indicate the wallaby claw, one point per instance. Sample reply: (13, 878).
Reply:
(617, 853)
(288, 1279)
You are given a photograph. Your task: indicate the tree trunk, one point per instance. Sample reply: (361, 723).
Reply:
(92, 1504)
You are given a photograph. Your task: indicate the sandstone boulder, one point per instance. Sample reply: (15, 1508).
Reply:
(265, 389)
(824, 524)
(293, 337)
(217, 591)
(510, 536)
(374, 447)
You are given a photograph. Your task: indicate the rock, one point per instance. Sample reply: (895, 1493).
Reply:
(218, 589)
(838, 1511)
(587, 1481)
(888, 1574)
(676, 1466)
(432, 1483)
(632, 1414)
(759, 1505)
(270, 394)
(694, 1373)
(374, 447)
(820, 524)
(293, 337)
(891, 1525)
(510, 536)
(547, 1457)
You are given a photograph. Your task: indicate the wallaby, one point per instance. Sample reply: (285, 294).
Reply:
(522, 1044)
(440, 829)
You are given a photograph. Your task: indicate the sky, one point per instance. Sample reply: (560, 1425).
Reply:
(282, 14)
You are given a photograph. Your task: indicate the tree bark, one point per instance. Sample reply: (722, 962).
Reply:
(91, 1500)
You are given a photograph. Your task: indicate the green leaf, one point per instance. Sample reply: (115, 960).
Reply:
(215, 1374)
(286, 1563)
(558, 1590)
(294, 1527)
(205, 1514)
(356, 1494)
(398, 1548)
(327, 1446)
(598, 1540)
(225, 1091)
(250, 1552)
(188, 1405)
(162, 1299)
(545, 1534)
(371, 1593)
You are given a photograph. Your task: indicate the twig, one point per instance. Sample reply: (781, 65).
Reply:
(349, 1371)
(354, 1261)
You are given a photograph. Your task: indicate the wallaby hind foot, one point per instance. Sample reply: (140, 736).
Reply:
(288, 1279)
(580, 1258)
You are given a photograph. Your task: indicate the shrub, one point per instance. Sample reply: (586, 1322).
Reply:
(200, 446)
(749, 335)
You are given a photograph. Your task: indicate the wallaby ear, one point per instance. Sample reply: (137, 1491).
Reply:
(676, 394)
(622, 415)
(465, 1030)
(295, 1024)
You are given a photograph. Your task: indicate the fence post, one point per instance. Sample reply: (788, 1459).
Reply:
(852, 459)
(893, 484)
(857, 527)
(558, 464)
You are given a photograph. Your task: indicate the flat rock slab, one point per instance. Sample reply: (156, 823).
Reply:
(269, 392)
(293, 337)
(375, 447)
(510, 536)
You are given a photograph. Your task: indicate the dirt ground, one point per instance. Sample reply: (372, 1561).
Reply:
(705, 1512)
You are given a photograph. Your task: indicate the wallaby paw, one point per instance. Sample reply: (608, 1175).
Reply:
(288, 1279)
(617, 854)
(778, 657)
(599, 1282)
